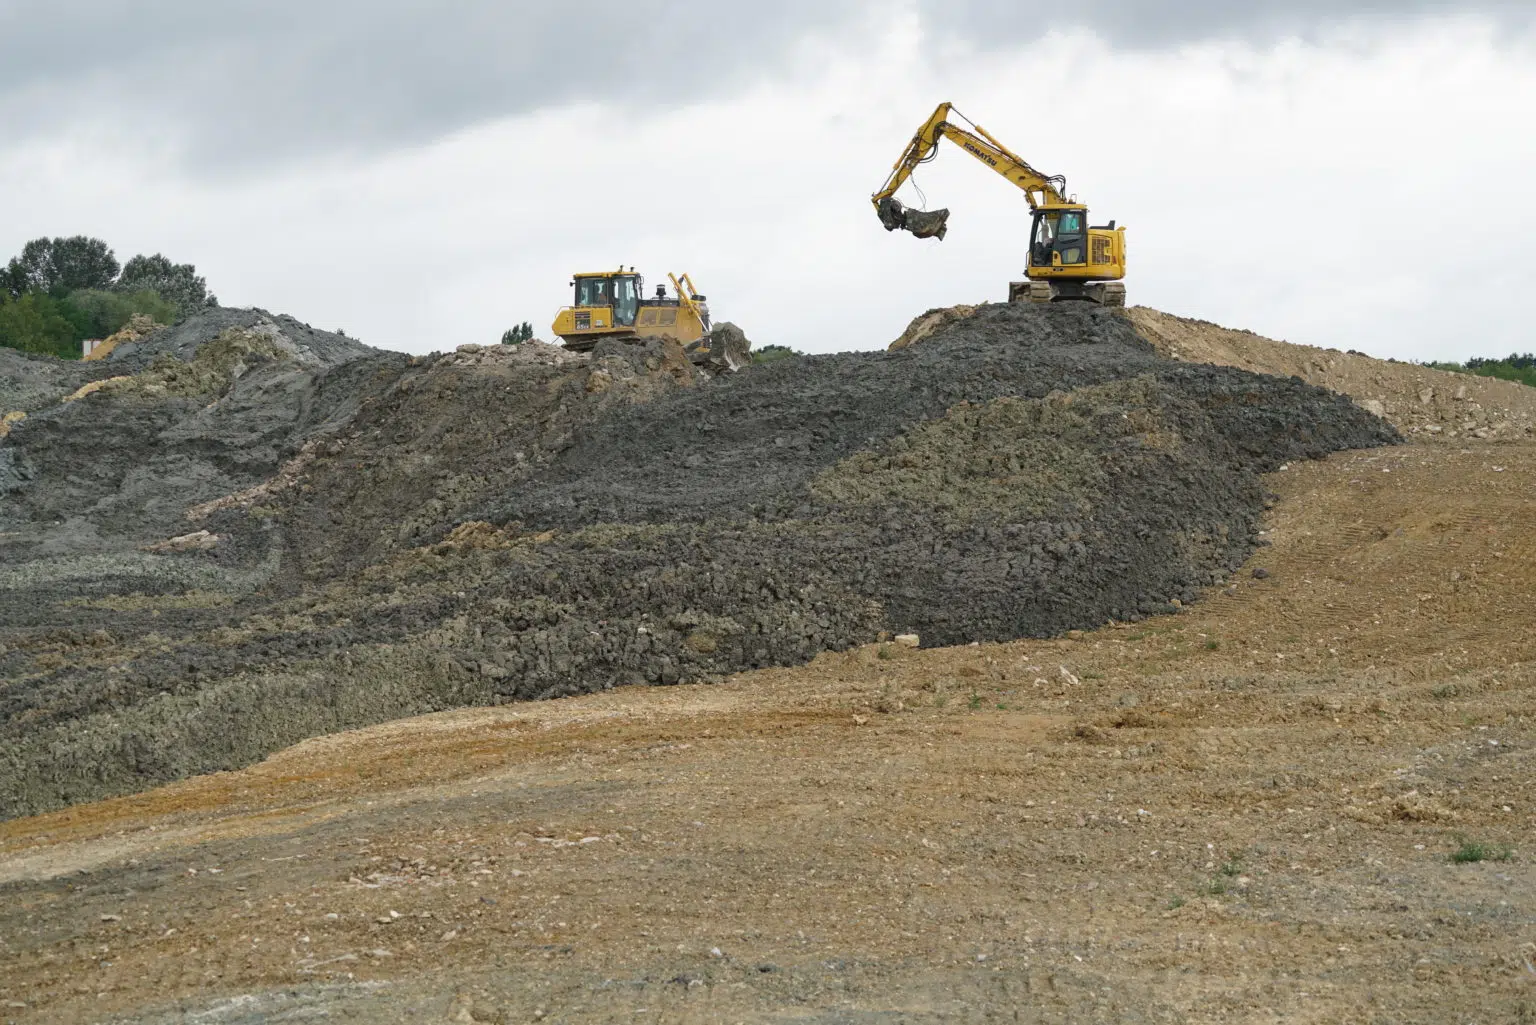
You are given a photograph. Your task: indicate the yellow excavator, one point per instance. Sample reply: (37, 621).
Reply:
(1068, 258)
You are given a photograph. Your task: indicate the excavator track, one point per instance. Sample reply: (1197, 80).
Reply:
(1104, 293)
(1107, 293)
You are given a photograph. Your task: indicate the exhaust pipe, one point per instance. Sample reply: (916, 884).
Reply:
(921, 223)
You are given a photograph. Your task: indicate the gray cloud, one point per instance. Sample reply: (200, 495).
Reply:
(244, 84)
(254, 79)
(1156, 23)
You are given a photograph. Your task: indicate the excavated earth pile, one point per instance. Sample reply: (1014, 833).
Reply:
(110, 455)
(521, 522)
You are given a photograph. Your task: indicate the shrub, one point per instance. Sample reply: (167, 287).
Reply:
(1472, 851)
(772, 353)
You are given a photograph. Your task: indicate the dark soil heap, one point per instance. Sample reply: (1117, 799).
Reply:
(510, 524)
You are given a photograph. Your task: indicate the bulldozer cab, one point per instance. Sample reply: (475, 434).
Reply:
(619, 292)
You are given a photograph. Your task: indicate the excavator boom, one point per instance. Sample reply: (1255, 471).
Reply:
(1038, 188)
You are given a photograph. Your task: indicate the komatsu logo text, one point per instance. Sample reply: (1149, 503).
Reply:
(989, 159)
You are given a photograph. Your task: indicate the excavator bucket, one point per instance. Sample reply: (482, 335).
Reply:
(922, 223)
(928, 223)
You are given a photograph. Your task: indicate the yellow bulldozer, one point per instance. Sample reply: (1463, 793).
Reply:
(613, 304)
(1068, 258)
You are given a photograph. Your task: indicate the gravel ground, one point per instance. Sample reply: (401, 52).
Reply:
(1245, 812)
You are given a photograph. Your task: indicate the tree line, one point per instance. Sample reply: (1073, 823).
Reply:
(1514, 367)
(57, 292)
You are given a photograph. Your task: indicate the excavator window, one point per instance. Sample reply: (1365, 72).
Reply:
(1070, 241)
(1044, 240)
(1058, 234)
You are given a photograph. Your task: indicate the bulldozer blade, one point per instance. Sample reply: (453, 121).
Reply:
(724, 350)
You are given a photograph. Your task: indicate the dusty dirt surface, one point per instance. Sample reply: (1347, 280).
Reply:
(1426, 404)
(1241, 812)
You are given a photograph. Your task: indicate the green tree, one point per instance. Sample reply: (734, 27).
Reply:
(61, 265)
(97, 314)
(518, 335)
(36, 323)
(176, 283)
(1514, 367)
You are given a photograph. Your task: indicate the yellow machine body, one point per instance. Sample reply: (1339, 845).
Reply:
(612, 304)
(1055, 253)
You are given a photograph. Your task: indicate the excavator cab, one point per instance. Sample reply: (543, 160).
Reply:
(1071, 259)
(1059, 238)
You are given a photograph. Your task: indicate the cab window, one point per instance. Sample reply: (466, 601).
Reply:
(626, 303)
(593, 292)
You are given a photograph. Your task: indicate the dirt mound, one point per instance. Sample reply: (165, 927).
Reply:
(507, 523)
(139, 327)
(923, 326)
(1423, 403)
(302, 343)
(444, 436)
(30, 382)
(112, 453)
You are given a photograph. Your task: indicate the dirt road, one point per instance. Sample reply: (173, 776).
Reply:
(1242, 812)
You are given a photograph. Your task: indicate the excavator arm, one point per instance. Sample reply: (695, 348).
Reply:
(1039, 189)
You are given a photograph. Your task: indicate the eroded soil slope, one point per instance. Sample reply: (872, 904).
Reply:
(1243, 812)
(1424, 404)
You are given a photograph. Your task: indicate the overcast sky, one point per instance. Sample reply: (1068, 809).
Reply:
(1350, 174)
